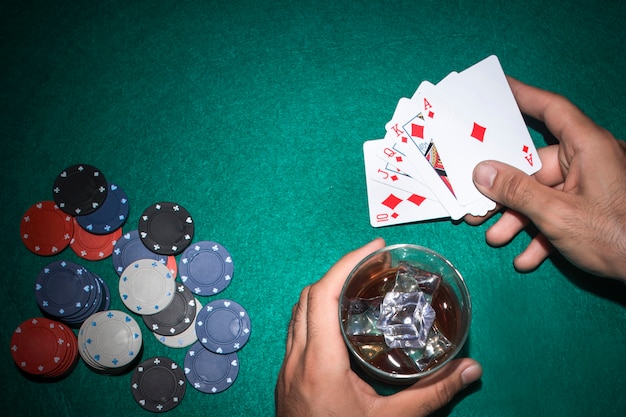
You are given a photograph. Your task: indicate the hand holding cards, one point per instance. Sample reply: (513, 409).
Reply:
(422, 168)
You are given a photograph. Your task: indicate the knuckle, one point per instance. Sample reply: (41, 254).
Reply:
(515, 192)
(304, 294)
(299, 308)
(314, 292)
(444, 392)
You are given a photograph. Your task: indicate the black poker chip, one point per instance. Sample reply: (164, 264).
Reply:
(158, 384)
(176, 317)
(166, 228)
(80, 189)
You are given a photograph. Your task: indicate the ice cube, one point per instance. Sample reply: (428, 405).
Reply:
(405, 319)
(437, 346)
(411, 279)
(363, 315)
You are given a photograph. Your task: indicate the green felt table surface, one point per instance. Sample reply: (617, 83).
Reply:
(252, 115)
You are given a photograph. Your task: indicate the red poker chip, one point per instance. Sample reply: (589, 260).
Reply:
(45, 229)
(67, 339)
(172, 265)
(91, 246)
(44, 347)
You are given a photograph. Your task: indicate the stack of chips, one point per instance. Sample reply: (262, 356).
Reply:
(44, 348)
(70, 293)
(110, 342)
(185, 338)
(87, 213)
(175, 324)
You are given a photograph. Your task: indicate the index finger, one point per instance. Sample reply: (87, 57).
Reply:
(323, 333)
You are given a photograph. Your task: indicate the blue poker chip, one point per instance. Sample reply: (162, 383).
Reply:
(68, 292)
(91, 305)
(63, 288)
(206, 268)
(106, 299)
(100, 300)
(129, 248)
(111, 215)
(223, 326)
(210, 372)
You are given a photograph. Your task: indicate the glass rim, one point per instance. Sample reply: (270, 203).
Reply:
(464, 294)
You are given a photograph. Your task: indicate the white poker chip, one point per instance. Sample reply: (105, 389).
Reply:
(147, 286)
(186, 338)
(110, 340)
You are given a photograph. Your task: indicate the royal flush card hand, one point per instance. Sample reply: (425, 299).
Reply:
(435, 139)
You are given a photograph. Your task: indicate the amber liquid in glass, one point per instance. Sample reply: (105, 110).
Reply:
(373, 349)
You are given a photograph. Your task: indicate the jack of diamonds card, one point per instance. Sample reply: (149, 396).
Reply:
(393, 196)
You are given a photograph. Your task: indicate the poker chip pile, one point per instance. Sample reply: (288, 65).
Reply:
(70, 293)
(110, 341)
(44, 348)
(87, 214)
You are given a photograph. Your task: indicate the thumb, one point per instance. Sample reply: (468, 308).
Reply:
(512, 188)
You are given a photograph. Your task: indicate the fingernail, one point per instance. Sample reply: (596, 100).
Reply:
(471, 374)
(485, 174)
